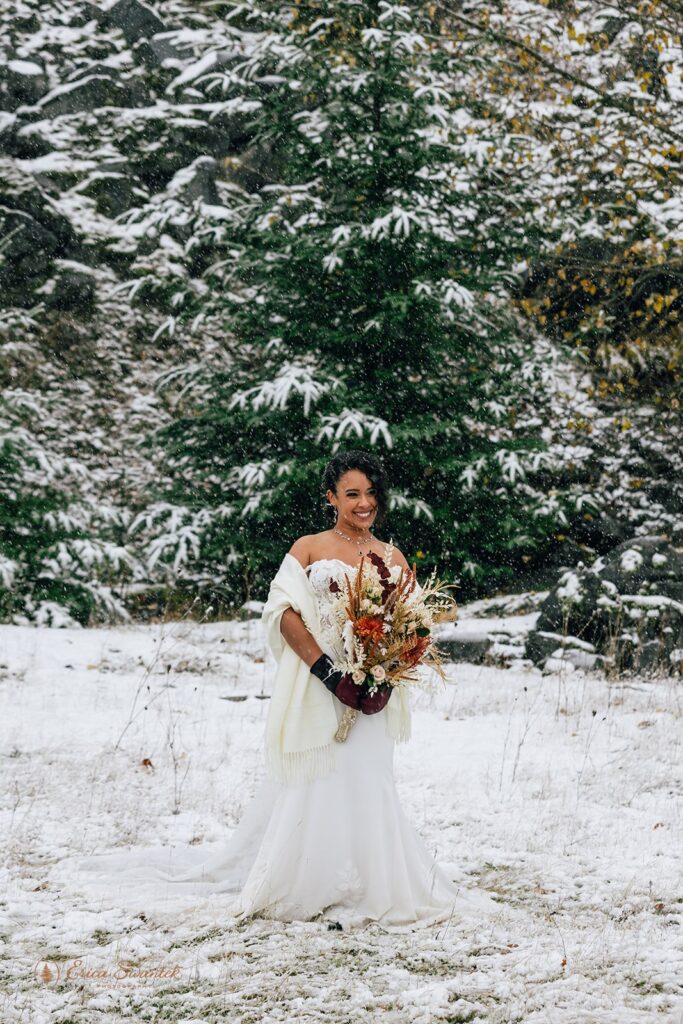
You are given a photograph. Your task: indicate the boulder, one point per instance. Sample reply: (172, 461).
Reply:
(598, 530)
(645, 565)
(196, 181)
(159, 48)
(113, 191)
(22, 140)
(32, 234)
(505, 651)
(541, 644)
(22, 82)
(470, 649)
(72, 290)
(97, 68)
(26, 252)
(90, 92)
(91, 12)
(136, 20)
(567, 610)
(583, 660)
(627, 608)
(564, 553)
(554, 666)
(20, 191)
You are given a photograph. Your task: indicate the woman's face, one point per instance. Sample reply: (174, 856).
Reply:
(355, 501)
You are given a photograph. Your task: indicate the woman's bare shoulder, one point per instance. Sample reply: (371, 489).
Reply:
(306, 549)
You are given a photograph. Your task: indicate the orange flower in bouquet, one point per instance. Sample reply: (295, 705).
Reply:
(370, 627)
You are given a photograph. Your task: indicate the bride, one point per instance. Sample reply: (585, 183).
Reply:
(338, 841)
(325, 836)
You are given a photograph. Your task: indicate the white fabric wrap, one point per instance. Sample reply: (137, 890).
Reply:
(302, 719)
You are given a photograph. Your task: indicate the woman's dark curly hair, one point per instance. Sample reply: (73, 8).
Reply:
(369, 464)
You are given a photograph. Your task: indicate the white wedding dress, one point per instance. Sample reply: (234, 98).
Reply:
(339, 847)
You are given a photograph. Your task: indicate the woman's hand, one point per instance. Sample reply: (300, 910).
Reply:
(340, 684)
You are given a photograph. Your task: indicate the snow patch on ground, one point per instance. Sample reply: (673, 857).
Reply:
(558, 795)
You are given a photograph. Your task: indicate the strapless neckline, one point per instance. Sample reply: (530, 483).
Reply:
(341, 561)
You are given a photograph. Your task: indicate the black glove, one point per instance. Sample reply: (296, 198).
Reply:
(339, 683)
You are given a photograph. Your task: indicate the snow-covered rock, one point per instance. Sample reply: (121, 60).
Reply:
(627, 608)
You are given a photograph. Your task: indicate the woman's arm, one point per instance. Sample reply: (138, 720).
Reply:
(291, 624)
(297, 636)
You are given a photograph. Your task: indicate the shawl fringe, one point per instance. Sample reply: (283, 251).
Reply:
(302, 765)
(399, 724)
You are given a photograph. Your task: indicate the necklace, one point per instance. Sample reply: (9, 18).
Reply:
(356, 542)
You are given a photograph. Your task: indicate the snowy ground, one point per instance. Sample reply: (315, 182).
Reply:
(559, 795)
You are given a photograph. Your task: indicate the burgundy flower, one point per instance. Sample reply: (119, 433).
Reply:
(416, 651)
(379, 564)
(334, 587)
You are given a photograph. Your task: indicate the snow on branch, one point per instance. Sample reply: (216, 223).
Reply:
(292, 379)
(252, 477)
(419, 507)
(354, 422)
(510, 465)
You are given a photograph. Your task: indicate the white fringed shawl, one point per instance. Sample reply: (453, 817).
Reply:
(302, 719)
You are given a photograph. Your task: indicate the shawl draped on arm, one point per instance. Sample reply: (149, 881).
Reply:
(302, 719)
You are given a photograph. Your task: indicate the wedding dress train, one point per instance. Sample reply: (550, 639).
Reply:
(340, 846)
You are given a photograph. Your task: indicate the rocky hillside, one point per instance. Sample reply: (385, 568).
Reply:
(123, 170)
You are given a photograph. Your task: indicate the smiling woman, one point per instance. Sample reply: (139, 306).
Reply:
(325, 835)
(337, 843)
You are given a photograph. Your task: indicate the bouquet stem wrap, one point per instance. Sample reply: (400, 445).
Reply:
(348, 718)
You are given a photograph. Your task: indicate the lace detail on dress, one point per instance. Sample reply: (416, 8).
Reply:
(320, 575)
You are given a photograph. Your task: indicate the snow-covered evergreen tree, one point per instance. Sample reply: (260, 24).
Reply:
(599, 87)
(366, 291)
(103, 182)
(58, 554)
(137, 165)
